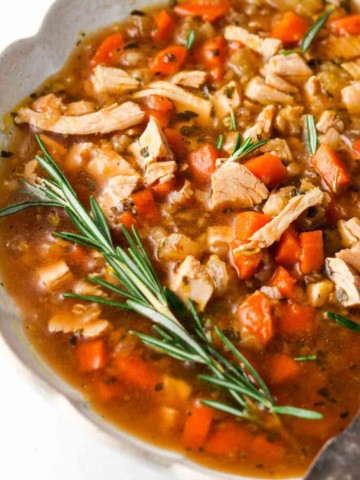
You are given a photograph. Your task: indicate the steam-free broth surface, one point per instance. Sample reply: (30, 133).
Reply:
(159, 118)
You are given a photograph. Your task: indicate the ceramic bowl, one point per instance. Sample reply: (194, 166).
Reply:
(24, 66)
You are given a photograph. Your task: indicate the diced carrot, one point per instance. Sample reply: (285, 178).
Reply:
(284, 282)
(134, 370)
(282, 369)
(145, 206)
(202, 163)
(212, 55)
(79, 255)
(331, 168)
(288, 249)
(208, 10)
(244, 263)
(128, 220)
(164, 26)
(197, 425)
(256, 320)
(176, 142)
(356, 147)
(247, 223)
(169, 61)
(290, 29)
(109, 47)
(296, 319)
(312, 251)
(267, 450)
(268, 168)
(228, 439)
(91, 356)
(162, 190)
(349, 25)
(159, 107)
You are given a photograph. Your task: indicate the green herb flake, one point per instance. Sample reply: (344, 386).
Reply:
(314, 30)
(5, 154)
(306, 358)
(138, 13)
(190, 39)
(144, 152)
(170, 58)
(189, 131)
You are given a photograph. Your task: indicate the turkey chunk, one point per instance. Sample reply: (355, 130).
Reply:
(191, 281)
(107, 120)
(84, 320)
(185, 99)
(153, 145)
(227, 99)
(351, 256)
(288, 66)
(341, 47)
(349, 231)
(233, 185)
(259, 92)
(273, 230)
(351, 98)
(329, 119)
(53, 275)
(177, 247)
(277, 201)
(264, 124)
(159, 172)
(279, 83)
(353, 68)
(264, 46)
(347, 282)
(113, 80)
(279, 147)
(191, 79)
(216, 268)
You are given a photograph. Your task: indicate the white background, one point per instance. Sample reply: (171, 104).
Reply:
(36, 440)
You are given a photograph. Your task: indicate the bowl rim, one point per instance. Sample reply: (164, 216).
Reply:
(174, 462)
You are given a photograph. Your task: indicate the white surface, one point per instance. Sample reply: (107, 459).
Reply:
(37, 440)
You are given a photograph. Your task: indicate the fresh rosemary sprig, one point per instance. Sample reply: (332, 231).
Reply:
(314, 30)
(247, 147)
(311, 134)
(183, 339)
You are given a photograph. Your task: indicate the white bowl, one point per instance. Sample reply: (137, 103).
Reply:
(23, 67)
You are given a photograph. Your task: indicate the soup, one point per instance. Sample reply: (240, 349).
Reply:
(190, 257)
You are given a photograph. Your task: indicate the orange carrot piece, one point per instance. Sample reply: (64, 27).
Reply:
(247, 223)
(256, 320)
(162, 190)
(212, 55)
(356, 146)
(312, 252)
(228, 439)
(268, 168)
(349, 25)
(290, 29)
(134, 370)
(159, 107)
(244, 263)
(202, 163)
(169, 61)
(331, 168)
(79, 255)
(176, 142)
(288, 249)
(145, 206)
(296, 319)
(164, 26)
(105, 53)
(284, 282)
(91, 356)
(208, 10)
(282, 369)
(197, 425)
(128, 220)
(267, 450)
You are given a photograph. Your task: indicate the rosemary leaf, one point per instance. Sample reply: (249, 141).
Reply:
(220, 142)
(311, 134)
(298, 412)
(314, 30)
(190, 39)
(306, 358)
(233, 121)
(345, 322)
(19, 207)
